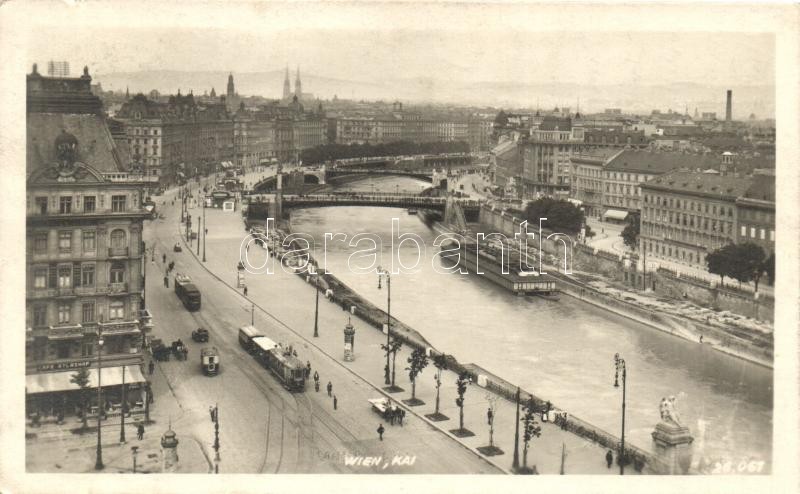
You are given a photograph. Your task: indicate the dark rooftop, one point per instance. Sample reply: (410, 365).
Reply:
(661, 162)
(698, 183)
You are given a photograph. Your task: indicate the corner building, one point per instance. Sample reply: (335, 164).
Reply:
(84, 253)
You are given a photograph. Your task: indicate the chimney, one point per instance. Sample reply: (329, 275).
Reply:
(728, 106)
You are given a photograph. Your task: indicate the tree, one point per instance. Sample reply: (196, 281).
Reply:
(393, 347)
(630, 235)
(530, 429)
(417, 361)
(750, 263)
(461, 388)
(722, 262)
(81, 379)
(562, 216)
(440, 362)
(769, 268)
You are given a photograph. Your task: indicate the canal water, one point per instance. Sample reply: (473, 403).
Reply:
(561, 350)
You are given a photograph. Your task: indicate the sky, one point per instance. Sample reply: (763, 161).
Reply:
(464, 44)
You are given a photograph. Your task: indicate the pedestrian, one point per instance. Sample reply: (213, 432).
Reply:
(245, 290)
(140, 431)
(151, 367)
(163, 258)
(392, 415)
(335, 402)
(701, 338)
(166, 281)
(316, 376)
(316, 386)
(402, 416)
(330, 388)
(609, 458)
(381, 430)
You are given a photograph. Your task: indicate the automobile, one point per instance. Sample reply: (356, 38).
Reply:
(177, 247)
(200, 335)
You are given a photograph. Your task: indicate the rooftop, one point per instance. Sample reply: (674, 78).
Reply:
(660, 162)
(698, 183)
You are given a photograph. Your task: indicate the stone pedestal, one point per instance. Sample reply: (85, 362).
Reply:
(169, 451)
(673, 444)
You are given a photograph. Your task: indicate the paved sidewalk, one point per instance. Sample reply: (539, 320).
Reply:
(56, 448)
(269, 292)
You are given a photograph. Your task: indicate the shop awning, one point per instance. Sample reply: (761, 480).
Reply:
(51, 382)
(615, 214)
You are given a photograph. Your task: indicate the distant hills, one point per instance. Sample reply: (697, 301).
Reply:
(509, 94)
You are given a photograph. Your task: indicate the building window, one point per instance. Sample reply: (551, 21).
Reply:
(65, 241)
(87, 275)
(763, 234)
(87, 312)
(40, 242)
(117, 272)
(89, 204)
(117, 204)
(63, 313)
(752, 232)
(41, 205)
(772, 235)
(116, 310)
(64, 277)
(744, 231)
(65, 205)
(39, 316)
(118, 239)
(40, 278)
(87, 349)
(89, 241)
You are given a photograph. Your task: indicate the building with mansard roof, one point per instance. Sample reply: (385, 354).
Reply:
(84, 253)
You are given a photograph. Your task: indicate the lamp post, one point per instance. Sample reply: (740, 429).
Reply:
(205, 230)
(134, 450)
(122, 411)
(313, 272)
(619, 366)
(199, 232)
(381, 274)
(98, 465)
(216, 438)
(515, 464)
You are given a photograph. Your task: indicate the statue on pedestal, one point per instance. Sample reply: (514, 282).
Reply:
(672, 439)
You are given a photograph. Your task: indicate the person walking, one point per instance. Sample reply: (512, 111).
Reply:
(151, 367)
(330, 388)
(140, 431)
(308, 368)
(609, 458)
(381, 430)
(400, 416)
(245, 290)
(166, 281)
(392, 415)
(335, 402)
(163, 258)
(316, 386)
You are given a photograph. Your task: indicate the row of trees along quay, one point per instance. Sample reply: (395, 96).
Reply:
(421, 356)
(562, 216)
(743, 262)
(328, 152)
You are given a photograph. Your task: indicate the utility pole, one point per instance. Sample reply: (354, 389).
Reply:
(515, 464)
(122, 411)
(216, 438)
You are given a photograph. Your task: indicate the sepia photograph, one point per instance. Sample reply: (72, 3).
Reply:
(495, 243)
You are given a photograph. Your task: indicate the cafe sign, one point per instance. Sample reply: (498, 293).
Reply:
(64, 365)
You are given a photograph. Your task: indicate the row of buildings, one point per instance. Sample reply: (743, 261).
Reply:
(85, 257)
(182, 136)
(689, 200)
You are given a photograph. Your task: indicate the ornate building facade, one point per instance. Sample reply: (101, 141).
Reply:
(84, 251)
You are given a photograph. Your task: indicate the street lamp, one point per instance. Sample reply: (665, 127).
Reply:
(199, 231)
(381, 273)
(122, 411)
(313, 272)
(205, 230)
(98, 465)
(134, 450)
(619, 365)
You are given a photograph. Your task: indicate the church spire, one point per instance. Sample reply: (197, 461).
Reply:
(287, 89)
(298, 86)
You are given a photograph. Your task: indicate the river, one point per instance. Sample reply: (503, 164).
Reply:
(562, 351)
